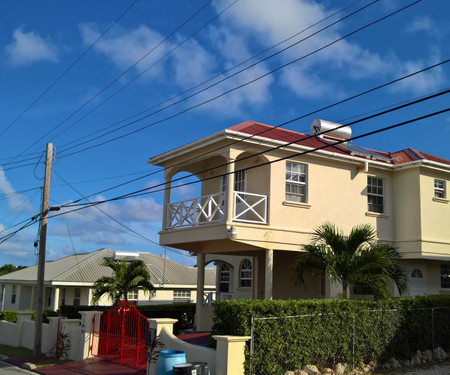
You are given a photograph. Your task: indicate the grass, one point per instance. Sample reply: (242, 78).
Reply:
(15, 353)
(18, 353)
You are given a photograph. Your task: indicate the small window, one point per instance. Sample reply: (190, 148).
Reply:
(375, 194)
(224, 278)
(63, 296)
(181, 296)
(14, 293)
(77, 297)
(296, 189)
(445, 276)
(133, 295)
(246, 274)
(439, 189)
(416, 274)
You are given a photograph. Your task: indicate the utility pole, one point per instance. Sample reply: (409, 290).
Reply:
(41, 261)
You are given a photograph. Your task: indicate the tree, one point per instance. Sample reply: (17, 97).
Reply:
(356, 260)
(8, 268)
(127, 276)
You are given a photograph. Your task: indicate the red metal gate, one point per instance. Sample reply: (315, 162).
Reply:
(121, 335)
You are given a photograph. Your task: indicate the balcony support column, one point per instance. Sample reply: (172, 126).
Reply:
(230, 190)
(268, 282)
(200, 289)
(167, 183)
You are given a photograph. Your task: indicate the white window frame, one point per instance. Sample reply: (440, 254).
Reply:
(133, 295)
(246, 273)
(77, 297)
(181, 295)
(439, 189)
(296, 179)
(224, 276)
(373, 192)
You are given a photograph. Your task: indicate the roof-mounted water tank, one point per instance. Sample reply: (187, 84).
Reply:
(331, 129)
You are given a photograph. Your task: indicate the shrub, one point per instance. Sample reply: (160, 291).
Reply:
(288, 334)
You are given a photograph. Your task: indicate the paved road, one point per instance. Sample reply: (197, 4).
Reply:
(7, 369)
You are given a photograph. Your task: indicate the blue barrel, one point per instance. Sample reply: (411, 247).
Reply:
(167, 359)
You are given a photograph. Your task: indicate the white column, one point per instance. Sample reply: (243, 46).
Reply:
(268, 282)
(166, 203)
(255, 278)
(56, 299)
(200, 287)
(230, 190)
(89, 325)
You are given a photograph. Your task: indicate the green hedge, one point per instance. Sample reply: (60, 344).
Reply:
(288, 334)
(11, 315)
(183, 312)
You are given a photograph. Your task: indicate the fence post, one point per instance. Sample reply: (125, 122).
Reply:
(87, 332)
(353, 340)
(230, 354)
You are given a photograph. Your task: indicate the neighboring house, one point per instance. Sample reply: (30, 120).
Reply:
(260, 199)
(69, 281)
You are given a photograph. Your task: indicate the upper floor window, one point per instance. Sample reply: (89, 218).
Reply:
(246, 274)
(445, 275)
(296, 188)
(240, 180)
(375, 194)
(439, 189)
(181, 296)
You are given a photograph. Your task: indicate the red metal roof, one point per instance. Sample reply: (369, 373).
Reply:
(288, 136)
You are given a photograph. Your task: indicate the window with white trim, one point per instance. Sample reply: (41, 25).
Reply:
(245, 280)
(445, 276)
(296, 185)
(181, 296)
(224, 278)
(439, 189)
(132, 295)
(375, 194)
(14, 293)
(77, 297)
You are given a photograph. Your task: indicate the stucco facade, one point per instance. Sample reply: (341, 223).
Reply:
(264, 190)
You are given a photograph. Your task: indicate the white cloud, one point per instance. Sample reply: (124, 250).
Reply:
(422, 24)
(16, 202)
(126, 47)
(28, 48)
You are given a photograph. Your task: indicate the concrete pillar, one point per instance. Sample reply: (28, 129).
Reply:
(200, 288)
(167, 187)
(268, 283)
(230, 355)
(90, 322)
(230, 191)
(22, 316)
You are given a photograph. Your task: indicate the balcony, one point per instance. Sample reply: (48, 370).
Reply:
(248, 208)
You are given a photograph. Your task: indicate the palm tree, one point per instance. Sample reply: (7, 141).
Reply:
(127, 277)
(356, 260)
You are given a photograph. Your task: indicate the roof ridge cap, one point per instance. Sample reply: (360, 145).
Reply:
(93, 254)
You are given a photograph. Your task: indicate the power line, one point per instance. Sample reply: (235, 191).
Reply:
(235, 88)
(66, 70)
(386, 84)
(118, 77)
(206, 81)
(209, 87)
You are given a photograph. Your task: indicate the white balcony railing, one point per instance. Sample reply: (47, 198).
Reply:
(192, 212)
(248, 208)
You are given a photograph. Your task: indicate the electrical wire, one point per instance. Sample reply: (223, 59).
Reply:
(237, 87)
(39, 97)
(118, 77)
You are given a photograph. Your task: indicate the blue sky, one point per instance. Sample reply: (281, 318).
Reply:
(107, 86)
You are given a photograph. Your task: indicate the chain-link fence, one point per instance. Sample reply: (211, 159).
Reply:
(280, 344)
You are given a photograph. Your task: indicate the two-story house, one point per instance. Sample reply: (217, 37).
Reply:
(264, 189)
